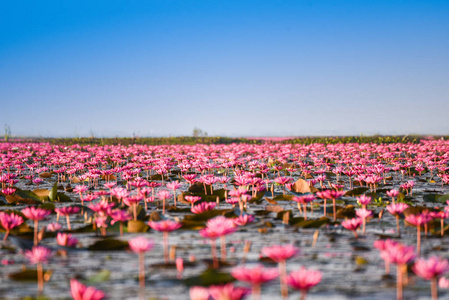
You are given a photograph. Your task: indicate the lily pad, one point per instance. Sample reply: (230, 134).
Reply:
(357, 191)
(108, 245)
(208, 278)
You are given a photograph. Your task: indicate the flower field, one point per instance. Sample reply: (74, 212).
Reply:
(266, 220)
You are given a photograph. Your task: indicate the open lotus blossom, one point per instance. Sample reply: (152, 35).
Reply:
(443, 214)
(431, 269)
(393, 194)
(418, 221)
(255, 276)
(304, 200)
(395, 209)
(174, 185)
(140, 245)
(9, 222)
(243, 220)
(304, 280)
(192, 199)
(228, 292)
(121, 216)
(364, 200)
(81, 292)
(283, 181)
(67, 211)
(199, 293)
(66, 240)
(401, 255)
(383, 245)
(163, 195)
(202, 207)
(54, 227)
(280, 254)
(364, 214)
(39, 255)
(218, 227)
(165, 226)
(352, 224)
(35, 214)
(8, 191)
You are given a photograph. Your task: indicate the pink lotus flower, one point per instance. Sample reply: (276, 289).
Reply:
(218, 227)
(67, 211)
(192, 199)
(165, 227)
(242, 220)
(9, 221)
(279, 254)
(418, 221)
(35, 214)
(163, 195)
(431, 269)
(199, 293)
(121, 216)
(66, 240)
(8, 191)
(39, 255)
(395, 209)
(141, 245)
(364, 200)
(364, 214)
(352, 224)
(81, 292)
(228, 292)
(393, 194)
(304, 200)
(304, 280)
(54, 227)
(202, 207)
(255, 276)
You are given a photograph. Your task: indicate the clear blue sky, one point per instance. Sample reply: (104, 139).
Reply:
(236, 68)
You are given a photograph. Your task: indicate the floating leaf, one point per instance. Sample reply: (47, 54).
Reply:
(29, 275)
(61, 197)
(26, 195)
(98, 277)
(45, 175)
(48, 206)
(301, 186)
(108, 245)
(357, 191)
(283, 197)
(209, 214)
(208, 278)
(42, 193)
(311, 223)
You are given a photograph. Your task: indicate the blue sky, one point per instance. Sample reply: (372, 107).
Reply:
(234, 68)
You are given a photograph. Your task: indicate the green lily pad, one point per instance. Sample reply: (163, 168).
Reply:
(208, 278)
(99, 277)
